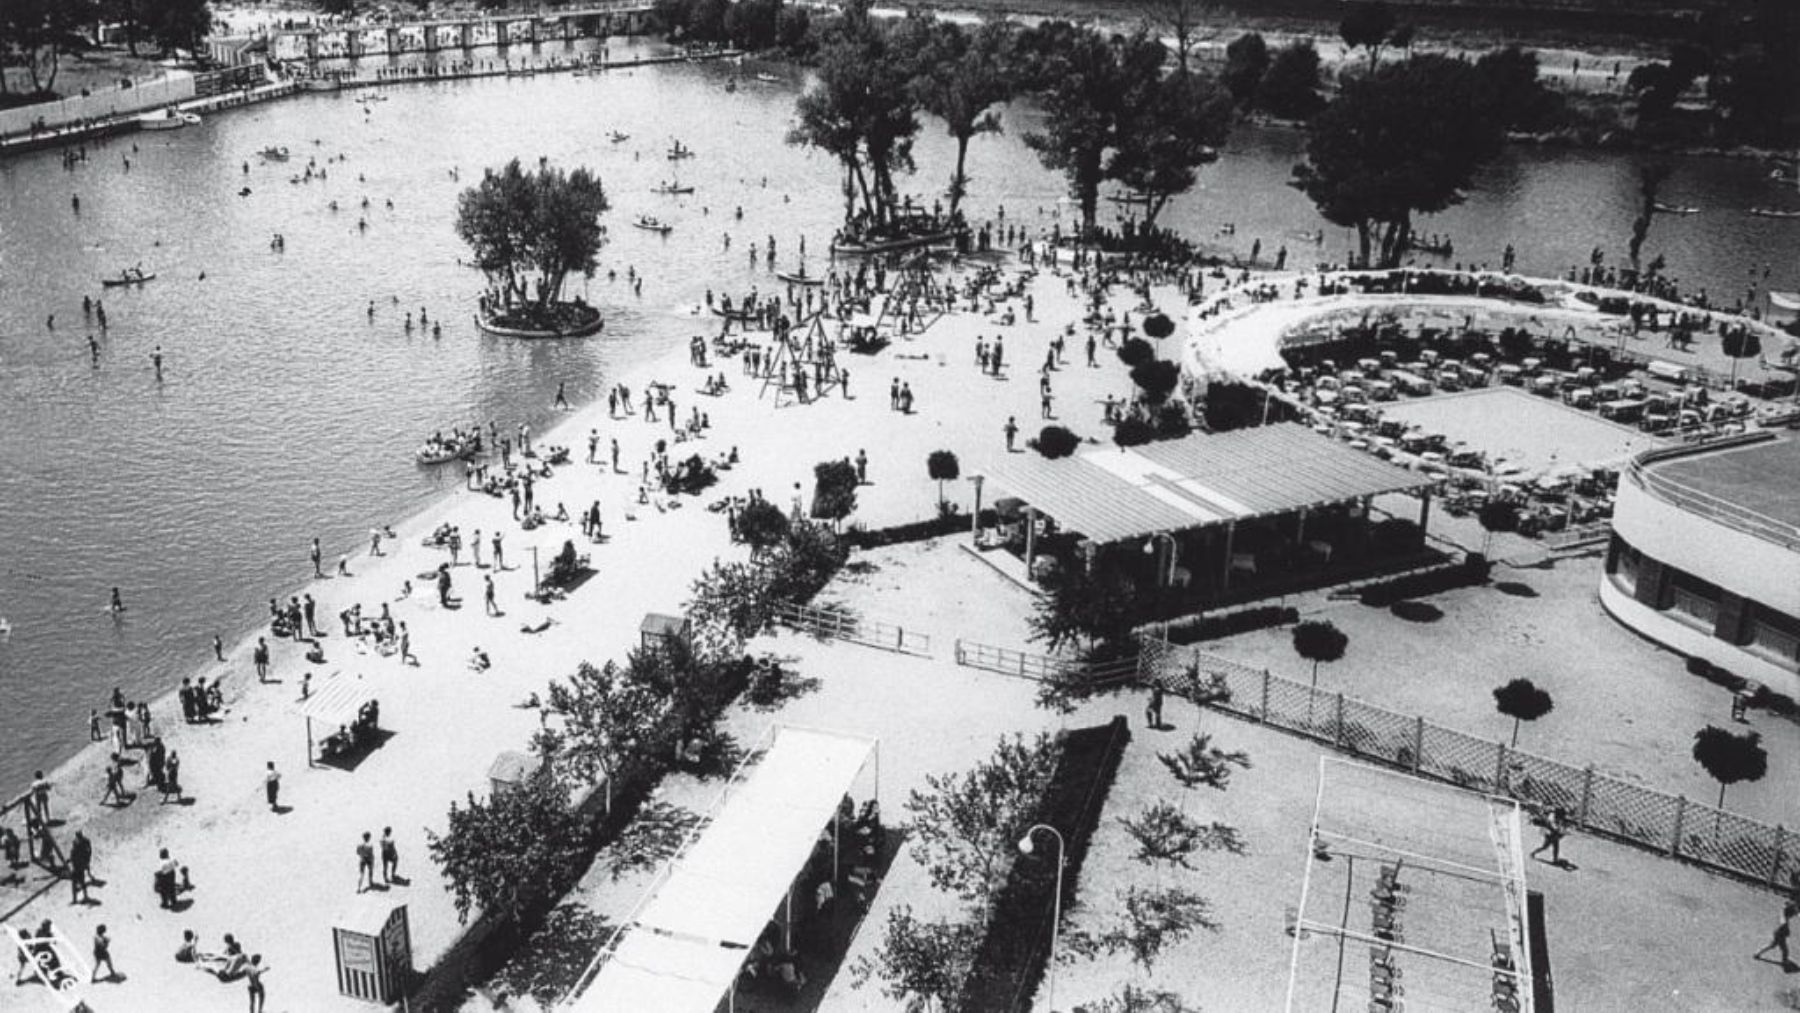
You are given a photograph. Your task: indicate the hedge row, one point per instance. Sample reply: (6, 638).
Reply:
(1762, 697)
(1011, 956)
(1468, 572)
(917, 531)
(1193, 629)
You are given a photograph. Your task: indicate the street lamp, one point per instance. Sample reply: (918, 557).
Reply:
(1025, 848)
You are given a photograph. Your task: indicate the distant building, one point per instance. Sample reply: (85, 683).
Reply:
(1705, 554)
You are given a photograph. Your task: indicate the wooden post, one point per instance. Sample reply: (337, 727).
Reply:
(1587, 796)
(1030, 539)
(1337, 735)
(1265, 696)
(1780, 852)
(1418, 743)
(1681, 804)
(1499, 765)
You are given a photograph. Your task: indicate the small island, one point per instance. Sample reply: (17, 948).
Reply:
(529, 233)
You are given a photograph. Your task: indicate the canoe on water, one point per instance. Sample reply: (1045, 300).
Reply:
(649, 224)
(799, 278)
(137, 280)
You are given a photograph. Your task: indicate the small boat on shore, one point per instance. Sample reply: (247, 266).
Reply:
(674, 189)
(618, 138)
(442, 450)
(1676, 209)
(321, 84)
(1774, 213)
(168, 119)
(129, 276)
(649, 223)
(872, 247)
(274, 154)
(768, 79)
(799, 277)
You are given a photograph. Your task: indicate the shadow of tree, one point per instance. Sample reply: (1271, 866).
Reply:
(650, 839)
(1416, 611)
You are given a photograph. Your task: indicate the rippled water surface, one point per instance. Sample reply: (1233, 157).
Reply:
(286, 413)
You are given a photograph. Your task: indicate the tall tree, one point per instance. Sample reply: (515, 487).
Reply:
(862, 110)
(922, 962)
(179, 24)
(1168, 136)
(943, 467)
(965, 826)
(1180, 20)
(1509, 83)
(1290, 89)
(40, 32)
(962, 76)
(1408, 138)
(521, 848)
(1651, 177)
(1246, 61)
(605, 720)
(1371, 26)
(1319, 640)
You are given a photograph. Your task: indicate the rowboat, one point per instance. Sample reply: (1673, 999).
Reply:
(618, 138)
(852, 248)
(126, 278)
(799, 277)
(1676, 209)
(679, 152)
(274, 154)
(1774, 213)
(649, 224)
(768, 79)
(672, 188)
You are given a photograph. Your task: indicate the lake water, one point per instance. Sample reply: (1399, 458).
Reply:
(286, 413)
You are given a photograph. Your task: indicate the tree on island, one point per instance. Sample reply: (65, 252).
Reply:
(1522, 700)
(530, 232)
(962, 76)
(1407, 138)
(862, 110)
(513, 853)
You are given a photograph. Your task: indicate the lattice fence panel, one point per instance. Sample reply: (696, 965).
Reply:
(1460, 759)
(1544, 783)
(1299, 708)
(1633, 812)
(1380, 734)
(1729, 841)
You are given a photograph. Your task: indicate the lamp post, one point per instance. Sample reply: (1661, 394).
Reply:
(1026, 847)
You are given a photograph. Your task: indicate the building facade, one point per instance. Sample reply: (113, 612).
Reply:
(1705, 555)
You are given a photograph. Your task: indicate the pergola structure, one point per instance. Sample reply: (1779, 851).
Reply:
(1206, 486)
(336, 703)
(681, 950)
(1413, 899)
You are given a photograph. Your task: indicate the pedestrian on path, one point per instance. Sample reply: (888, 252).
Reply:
(1555, 827)
(1778, 940)
(272, 787)
(81, 862)
(365, 864)
(115, 784)
(103, 955)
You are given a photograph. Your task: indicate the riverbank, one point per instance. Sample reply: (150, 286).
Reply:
(447, 722)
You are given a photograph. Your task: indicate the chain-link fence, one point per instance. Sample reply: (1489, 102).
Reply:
(1597, 802)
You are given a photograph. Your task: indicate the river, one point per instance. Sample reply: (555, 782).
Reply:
(285, 412)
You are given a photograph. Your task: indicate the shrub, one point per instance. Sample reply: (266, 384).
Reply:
(1011, 956)
(1467, 573)
(1172, 422)
(1056, 441)
(1194, 629)
(1136, 351)
(1133, 431)
(834, 490)
(1156, 378)
(917, 531)
(762, 525)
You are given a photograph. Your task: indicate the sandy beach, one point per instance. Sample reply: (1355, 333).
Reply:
(277, 881)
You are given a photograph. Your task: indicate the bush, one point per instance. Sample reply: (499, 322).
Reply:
(1056, 441)
(1716, 675)
(917, 531)
(1156, 378)
(1395, 535)
(1194, 629)
(834, 490)
(762, 525)
(1136, 351)
(1172, 422)
(1010, 959)
(1133, 431)
(1467, 573)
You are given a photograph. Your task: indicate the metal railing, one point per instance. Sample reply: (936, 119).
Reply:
(831, 624)
(1679, 494)
(1597, 802)
(1043, 667)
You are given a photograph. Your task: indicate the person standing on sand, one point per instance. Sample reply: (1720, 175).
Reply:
(365, 864)
(499, 555)
(390, 855)
(307, 606)
(475, 548)
(1012, 432)
(443, 585)
(272, 787)
(317, 557)
(218, 648)
(81, 862)
(406, 645)
(562, 398)
(103, 955)
(593, 446)
(492, 608)
(260, 657)
(254, 974)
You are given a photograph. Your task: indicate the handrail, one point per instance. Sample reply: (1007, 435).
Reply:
(1680, 494)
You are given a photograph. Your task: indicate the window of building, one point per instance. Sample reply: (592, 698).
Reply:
(1689, 597)
(1772, 635)
(1623, 563)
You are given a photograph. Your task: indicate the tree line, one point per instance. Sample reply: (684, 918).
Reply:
(36, 34)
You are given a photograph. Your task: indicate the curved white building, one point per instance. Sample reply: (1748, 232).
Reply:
(1705, 554)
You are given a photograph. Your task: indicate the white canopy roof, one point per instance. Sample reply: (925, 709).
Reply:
(683, 949)
(337, 700)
